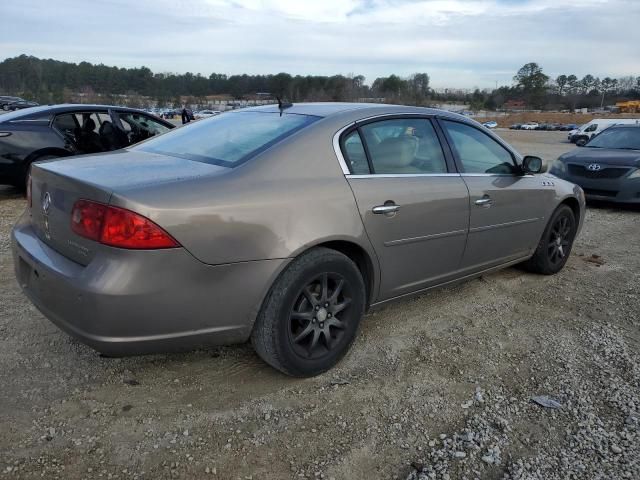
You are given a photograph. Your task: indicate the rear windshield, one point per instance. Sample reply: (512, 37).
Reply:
(228, 139)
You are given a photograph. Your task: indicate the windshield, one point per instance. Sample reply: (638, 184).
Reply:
(627, 138)
(228, 139)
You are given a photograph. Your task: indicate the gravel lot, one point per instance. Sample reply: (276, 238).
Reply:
(439, 386)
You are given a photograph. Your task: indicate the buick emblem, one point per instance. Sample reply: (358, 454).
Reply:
(594, 167)
(46, 203)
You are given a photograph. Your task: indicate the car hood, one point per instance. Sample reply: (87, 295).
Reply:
(608, 156)
(123, 170)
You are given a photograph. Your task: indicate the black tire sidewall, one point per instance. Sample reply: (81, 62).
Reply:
(564, 210)
(292, 285)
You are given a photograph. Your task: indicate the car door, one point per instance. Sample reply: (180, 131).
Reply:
(507, 208)
(414, 207)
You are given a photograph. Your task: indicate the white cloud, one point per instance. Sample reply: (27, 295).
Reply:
(460, 43)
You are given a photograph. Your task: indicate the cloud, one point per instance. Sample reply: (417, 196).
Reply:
(460, 43)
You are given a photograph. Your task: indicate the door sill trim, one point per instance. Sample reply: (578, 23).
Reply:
(450, 282)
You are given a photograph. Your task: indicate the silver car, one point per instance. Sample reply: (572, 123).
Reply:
(282, 225)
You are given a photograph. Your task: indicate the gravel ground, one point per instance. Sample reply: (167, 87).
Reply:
(438, 386)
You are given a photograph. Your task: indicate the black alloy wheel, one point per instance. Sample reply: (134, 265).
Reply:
(320, 316)
(560, 240)
(555, 244)
(311, 314)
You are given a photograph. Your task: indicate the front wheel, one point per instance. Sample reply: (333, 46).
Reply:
(311, 314)
(555, 245)
(582, 141)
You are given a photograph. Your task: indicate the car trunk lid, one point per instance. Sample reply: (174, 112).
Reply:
(57, 185)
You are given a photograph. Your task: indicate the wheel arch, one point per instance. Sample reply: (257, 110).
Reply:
(60, 152)
(572, 203)
(360, 257)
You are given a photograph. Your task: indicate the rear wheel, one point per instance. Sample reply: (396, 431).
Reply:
(311, 314)
(556, 242)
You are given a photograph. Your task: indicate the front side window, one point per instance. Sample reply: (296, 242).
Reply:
(592, 128)
(404, 146)
(228, 139)
(478, 152)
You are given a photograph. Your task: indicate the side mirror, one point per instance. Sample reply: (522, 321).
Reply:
(531, 164)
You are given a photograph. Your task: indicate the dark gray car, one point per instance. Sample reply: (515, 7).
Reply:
(282, 226)
(608, 167)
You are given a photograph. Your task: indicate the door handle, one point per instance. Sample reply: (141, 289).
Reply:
(484, 201)
(386, 208)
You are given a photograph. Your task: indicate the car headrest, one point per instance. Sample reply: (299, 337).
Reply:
(395, 152)
(89, 124)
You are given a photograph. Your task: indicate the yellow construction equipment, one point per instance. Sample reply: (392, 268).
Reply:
(630, 106)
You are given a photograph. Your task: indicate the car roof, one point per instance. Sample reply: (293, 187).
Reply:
(330, 109)
(62, 108)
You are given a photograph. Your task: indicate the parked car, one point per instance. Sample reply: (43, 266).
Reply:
(542, 126)
(608, 168)
(568, 127)
(529, 126)
(47, 132)
(206, 113)
(19, 105)
(515, 126)
(282, 226)
(5, 101)
(490, 124)
(597, 125)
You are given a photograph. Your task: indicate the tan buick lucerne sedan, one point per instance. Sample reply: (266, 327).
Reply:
(281, 224)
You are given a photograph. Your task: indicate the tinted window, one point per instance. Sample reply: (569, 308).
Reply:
(592, 128)
(404, 146)
(622, 137)
(354, 154)
(66, 123)
(139, 127)
(478, 152)
(228, 139)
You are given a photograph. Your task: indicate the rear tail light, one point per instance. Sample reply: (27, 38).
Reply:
(118, 227)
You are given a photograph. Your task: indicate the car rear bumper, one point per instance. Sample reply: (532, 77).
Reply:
(130, 302)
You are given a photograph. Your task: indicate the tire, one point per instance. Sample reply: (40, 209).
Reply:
(581, 141)
(554, 247)
(5, 108)
(304, 327)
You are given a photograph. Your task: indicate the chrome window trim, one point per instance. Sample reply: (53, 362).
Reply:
(338, 150)
(343, 162)
(400, 175)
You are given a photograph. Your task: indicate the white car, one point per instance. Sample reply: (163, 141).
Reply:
(529, 126)
(206, 113)
(490, 124)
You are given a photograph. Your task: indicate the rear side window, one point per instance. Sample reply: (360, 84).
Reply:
(228, 139)
(355, 154)
(404, 146)
(478, 152)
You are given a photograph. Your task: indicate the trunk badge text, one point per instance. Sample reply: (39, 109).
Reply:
(46, 205)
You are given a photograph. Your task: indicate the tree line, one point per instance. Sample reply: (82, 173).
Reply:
(54, 81)
(538, 90)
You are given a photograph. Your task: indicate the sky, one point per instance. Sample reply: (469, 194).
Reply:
(459, 43)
